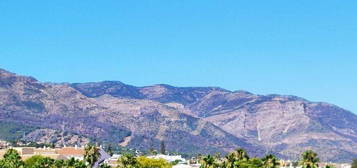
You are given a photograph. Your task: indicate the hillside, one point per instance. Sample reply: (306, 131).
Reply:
(188, 119)
(142, 123)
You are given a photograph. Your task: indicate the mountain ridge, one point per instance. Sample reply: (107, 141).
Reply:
(188, 119)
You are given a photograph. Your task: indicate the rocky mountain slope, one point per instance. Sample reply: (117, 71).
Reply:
(140, 123)
(286, 125)
(188, 119)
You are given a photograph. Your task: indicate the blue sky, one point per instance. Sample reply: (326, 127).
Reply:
(304, 48)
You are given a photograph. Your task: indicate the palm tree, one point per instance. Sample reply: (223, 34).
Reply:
(235, 158)
(309, 159)
(230, 159)
(241, 155)
(270, 161)
(91, 155)
(208, 162)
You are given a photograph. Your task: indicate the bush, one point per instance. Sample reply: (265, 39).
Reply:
(145, 162)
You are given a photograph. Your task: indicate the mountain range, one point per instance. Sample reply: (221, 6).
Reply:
(188, 119)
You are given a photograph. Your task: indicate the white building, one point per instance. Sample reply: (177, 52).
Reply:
(112, 161)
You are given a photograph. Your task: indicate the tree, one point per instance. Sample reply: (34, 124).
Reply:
(110, 150)
(73, 163)
(309, 159)
(295, 163)
(241, 154)
(208, 162)
(175, 162)
(255, 163)
(45, 162)
(58, 163)
(127, 160)
(230, 159)
(354, 163)
(144, 162)
(30, 162)
(270, 161)
(236, 158)
(39, 161)
(104, 166)
(91, 155)
(162, 147)
(12, 159)
(152, 151)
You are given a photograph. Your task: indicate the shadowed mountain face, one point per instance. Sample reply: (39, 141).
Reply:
(188, 119)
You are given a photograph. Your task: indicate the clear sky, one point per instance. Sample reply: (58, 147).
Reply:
(306, 48)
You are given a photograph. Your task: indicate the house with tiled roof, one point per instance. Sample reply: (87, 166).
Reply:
(64, 153)
(58, 153)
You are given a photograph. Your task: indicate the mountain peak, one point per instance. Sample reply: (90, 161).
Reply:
(7, 78)
(5, 72)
